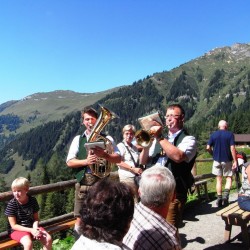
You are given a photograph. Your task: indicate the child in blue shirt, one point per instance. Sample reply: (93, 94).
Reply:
(23, 220)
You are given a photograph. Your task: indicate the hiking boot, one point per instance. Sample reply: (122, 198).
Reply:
(225, 202)
(225, 197)
(219, 202)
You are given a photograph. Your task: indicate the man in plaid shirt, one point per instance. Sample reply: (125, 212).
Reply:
(149, 228)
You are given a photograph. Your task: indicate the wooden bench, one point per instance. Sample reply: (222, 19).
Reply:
(234, 216)
(60, 226)
(201, 185)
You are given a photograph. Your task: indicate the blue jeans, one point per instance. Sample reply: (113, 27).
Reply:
(244, 202)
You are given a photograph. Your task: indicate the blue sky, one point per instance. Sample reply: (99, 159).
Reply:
(89, 46)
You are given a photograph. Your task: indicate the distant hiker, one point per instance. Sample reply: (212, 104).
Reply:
(221, 145)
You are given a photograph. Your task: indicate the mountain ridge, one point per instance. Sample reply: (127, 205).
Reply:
(43, 107)
(213, 86)
(195, 76)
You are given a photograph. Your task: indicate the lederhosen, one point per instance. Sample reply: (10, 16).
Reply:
(84, 177)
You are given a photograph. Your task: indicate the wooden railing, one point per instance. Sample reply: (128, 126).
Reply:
(5, 196)
(39, 190)
(42, 189)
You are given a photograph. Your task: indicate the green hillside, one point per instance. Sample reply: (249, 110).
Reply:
(41, 108)
(37, 130)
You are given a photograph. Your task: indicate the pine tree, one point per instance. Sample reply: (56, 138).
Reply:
(70, 201)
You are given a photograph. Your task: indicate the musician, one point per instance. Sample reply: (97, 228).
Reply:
(79, 159)
(176, 151)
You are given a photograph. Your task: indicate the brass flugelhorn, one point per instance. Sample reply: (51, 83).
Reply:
(143, 136)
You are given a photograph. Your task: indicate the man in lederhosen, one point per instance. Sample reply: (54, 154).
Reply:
(80, 159)
(176, 151)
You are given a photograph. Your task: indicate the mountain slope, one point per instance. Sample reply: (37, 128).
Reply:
(212, 87)
(206, 82)
(41, 108)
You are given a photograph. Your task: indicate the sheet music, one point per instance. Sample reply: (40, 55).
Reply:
(147, 122)
(90, 145)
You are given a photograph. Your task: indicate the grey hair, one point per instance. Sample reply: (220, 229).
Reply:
(129, 127)
(222, 124)
(157, 186)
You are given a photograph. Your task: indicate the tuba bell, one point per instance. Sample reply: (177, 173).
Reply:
(102, 167)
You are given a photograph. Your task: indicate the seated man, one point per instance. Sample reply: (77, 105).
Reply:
(149, 228)
(106, 214)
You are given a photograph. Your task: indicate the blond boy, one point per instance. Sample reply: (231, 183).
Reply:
(23, 220)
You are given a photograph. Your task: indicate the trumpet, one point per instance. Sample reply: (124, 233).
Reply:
(144, 137)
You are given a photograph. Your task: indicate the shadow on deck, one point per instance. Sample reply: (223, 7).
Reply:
(203, 229)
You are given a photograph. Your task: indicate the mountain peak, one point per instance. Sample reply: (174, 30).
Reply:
(237, 51)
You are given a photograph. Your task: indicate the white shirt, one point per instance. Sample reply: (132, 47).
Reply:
(88, 244)
(188, 145)
(126, 157)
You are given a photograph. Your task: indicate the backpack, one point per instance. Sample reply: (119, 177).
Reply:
(242, 155)
(241, 158)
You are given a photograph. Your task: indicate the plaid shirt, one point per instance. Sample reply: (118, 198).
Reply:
(149, 231)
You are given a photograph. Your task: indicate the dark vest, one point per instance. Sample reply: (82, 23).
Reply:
(181, 171)
(82, 153)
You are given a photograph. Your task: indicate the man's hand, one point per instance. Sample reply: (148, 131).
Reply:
(156, 131)
(137, 171)
(91, 158)
(235, 165)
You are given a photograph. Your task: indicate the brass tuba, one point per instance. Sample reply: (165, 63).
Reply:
(102, 167)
